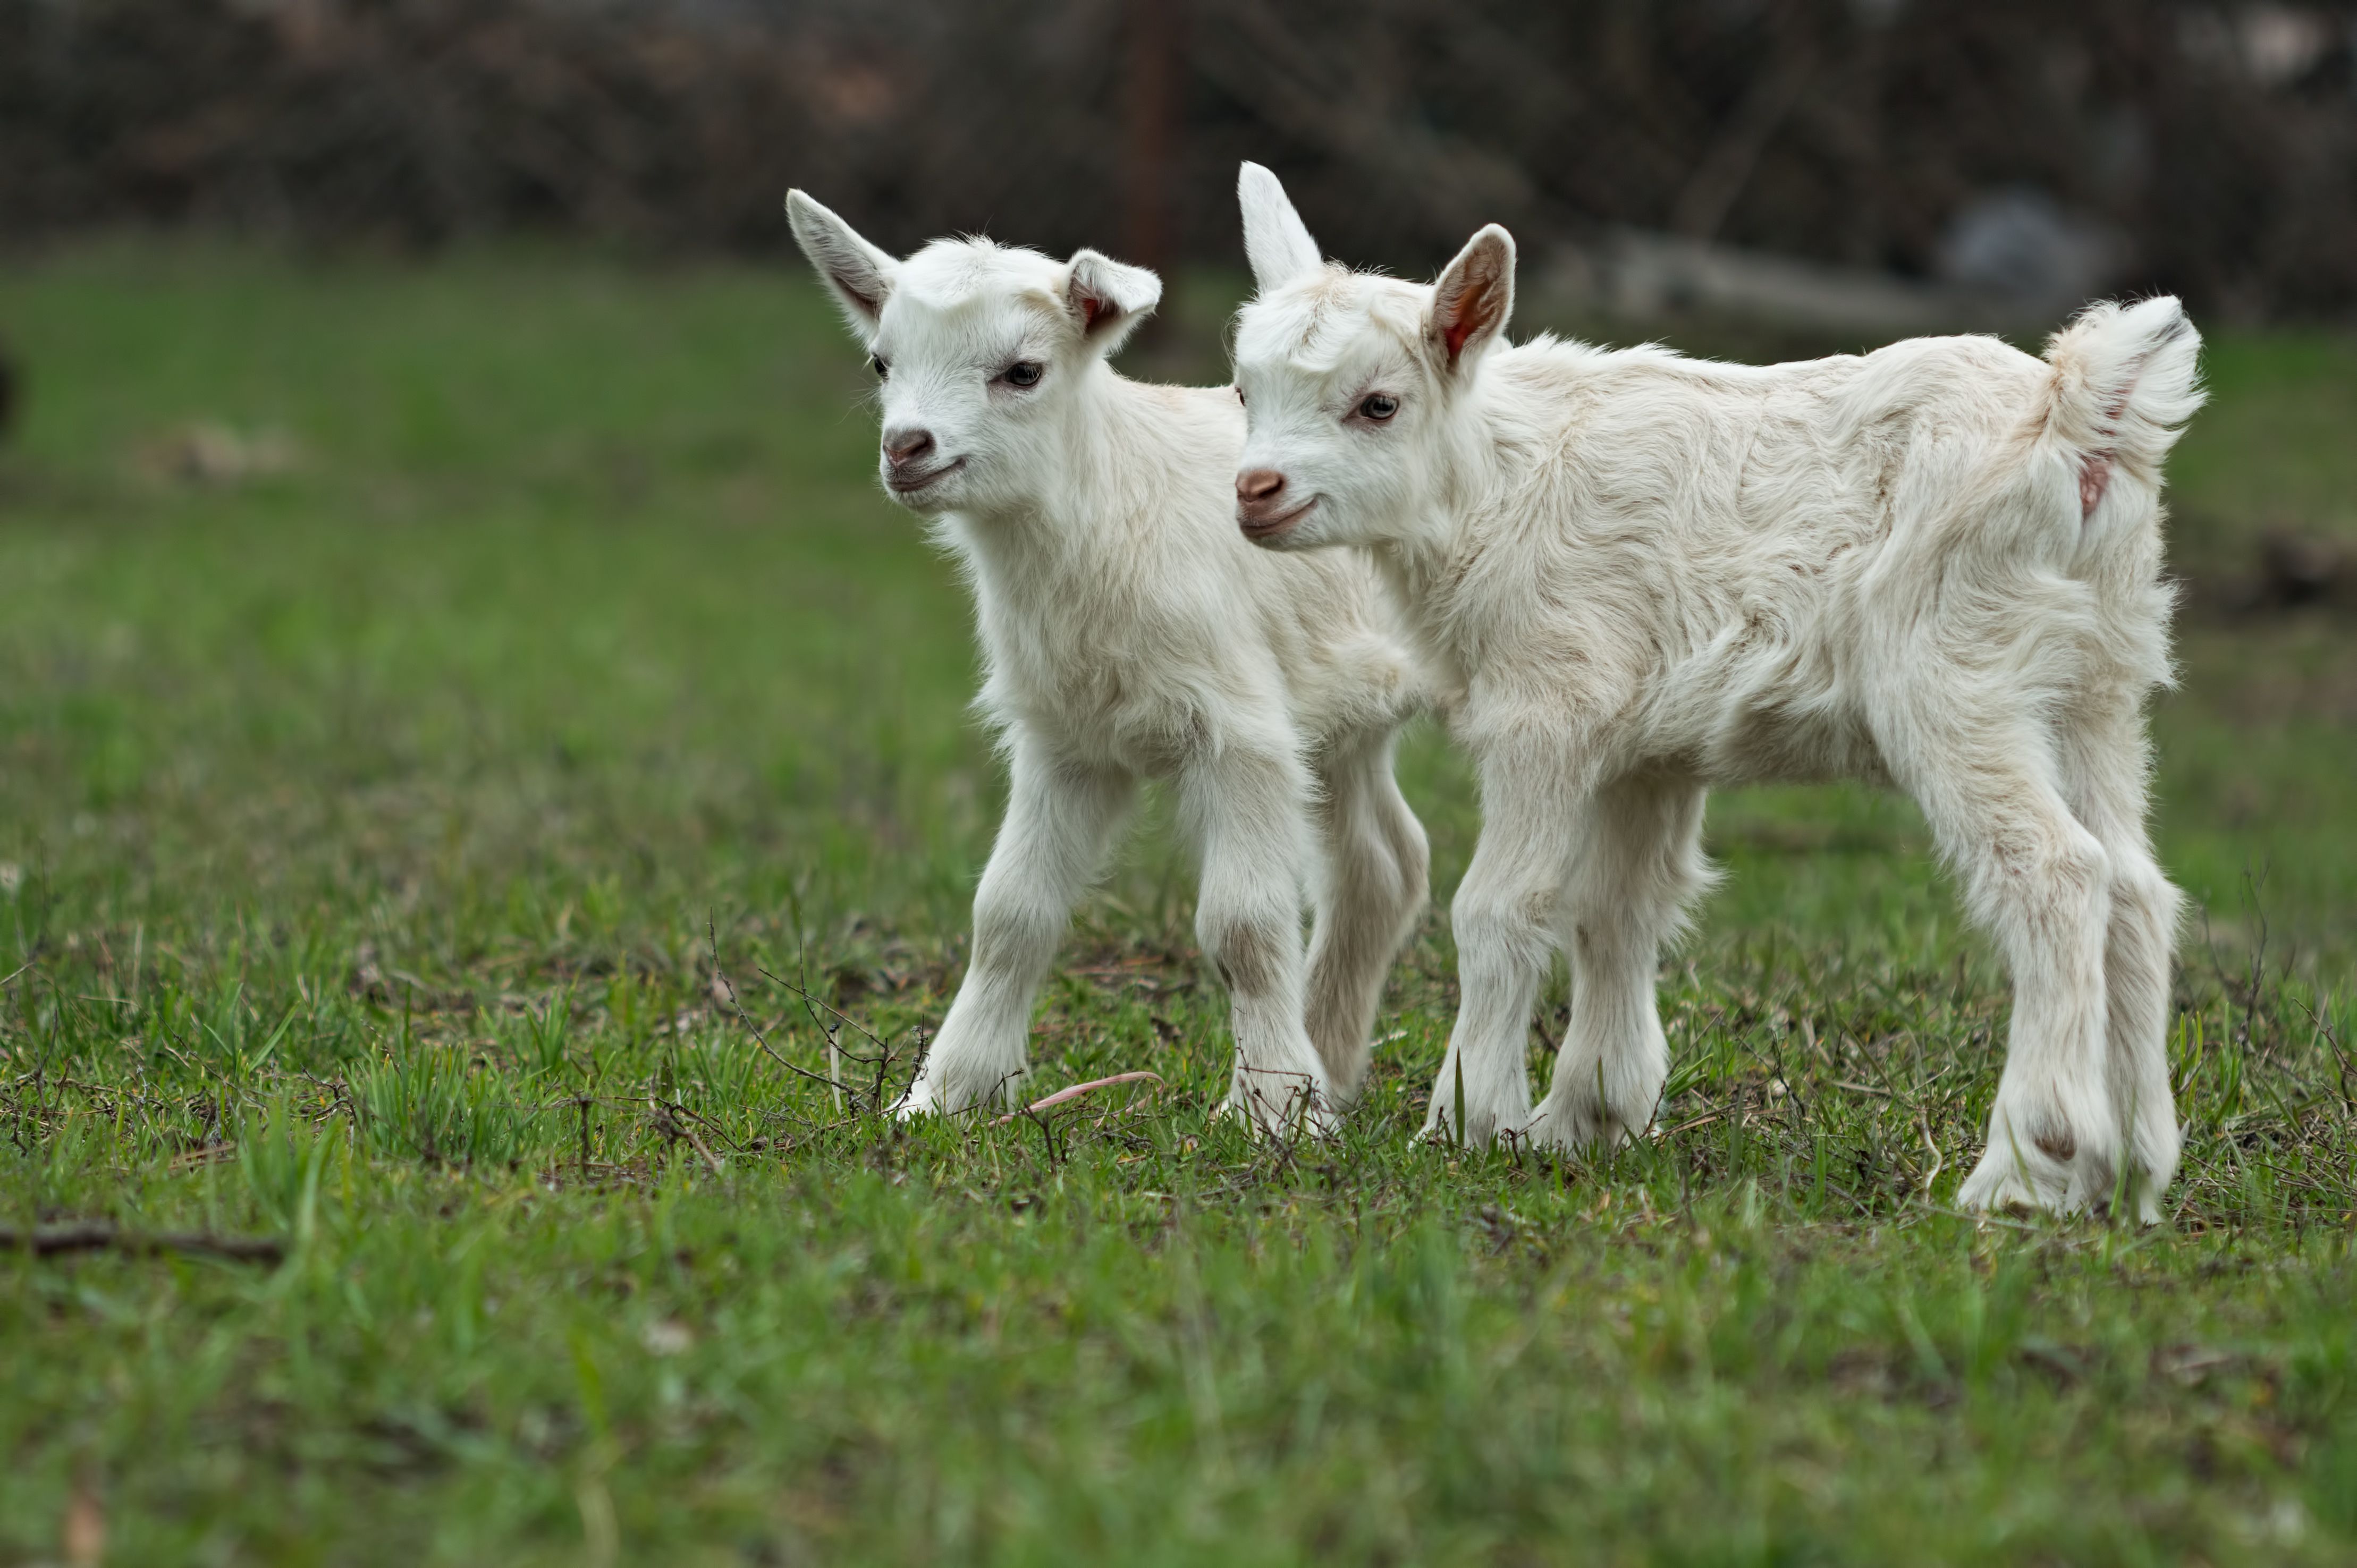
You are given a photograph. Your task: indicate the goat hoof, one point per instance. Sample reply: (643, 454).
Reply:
(1584, 1133)
(1482, 1129)
(2005, 1182)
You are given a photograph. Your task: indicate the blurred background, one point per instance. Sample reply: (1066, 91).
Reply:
(2011, 156)
(440, 508)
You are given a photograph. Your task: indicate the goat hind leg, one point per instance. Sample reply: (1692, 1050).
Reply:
(1374, 887)
(2106, 766)
(2041, 881)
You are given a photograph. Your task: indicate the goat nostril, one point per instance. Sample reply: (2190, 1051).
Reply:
(905, 446)
(1259, 485)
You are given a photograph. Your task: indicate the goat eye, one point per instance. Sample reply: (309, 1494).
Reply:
(1240, 397)
(1023, 373)
(1378, 407)
(876, 363)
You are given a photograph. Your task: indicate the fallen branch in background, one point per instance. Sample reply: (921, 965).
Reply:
(54, 1240)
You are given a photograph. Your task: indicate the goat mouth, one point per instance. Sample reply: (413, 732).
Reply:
(1263, 529)
(910, 484)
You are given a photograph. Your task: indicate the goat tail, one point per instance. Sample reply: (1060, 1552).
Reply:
(2126, 379)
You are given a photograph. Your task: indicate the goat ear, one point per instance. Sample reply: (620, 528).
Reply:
(1473, 298)
(1276, 240)
(1108, 298)
(858, 274)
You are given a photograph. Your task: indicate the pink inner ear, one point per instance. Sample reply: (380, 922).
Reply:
(871, 305)
(1455, 335)
(1463, 322)
(1093, 310)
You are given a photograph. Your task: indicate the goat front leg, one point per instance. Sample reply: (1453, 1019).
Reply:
(1640, 865)
(1060, 818)
(1247, 806)
(1505, 916)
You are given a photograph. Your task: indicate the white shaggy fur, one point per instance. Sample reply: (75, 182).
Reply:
(1936, 566)
(1129, 632)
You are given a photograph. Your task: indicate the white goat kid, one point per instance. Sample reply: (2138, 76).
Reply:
(1128, 631)
(1936, 565)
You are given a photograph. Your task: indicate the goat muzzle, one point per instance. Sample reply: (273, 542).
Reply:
(903, 448)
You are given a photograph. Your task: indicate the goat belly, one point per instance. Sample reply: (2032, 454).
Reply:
(1780, 714)
(1774, 745)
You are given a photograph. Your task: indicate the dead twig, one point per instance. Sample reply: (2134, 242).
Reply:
(809, 1001)
(53, 1240)
(712, 936)
(687, 1131)
(1923, 1119)
(1074, 1092)
(2322, 1022)
(1046, 1136)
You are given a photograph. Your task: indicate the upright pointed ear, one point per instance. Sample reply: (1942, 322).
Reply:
(859, 274)
(1473, 299)
(1108, 298)
(1276, 242)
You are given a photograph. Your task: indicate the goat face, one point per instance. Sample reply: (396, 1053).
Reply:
(980, 349)
(1349, 380)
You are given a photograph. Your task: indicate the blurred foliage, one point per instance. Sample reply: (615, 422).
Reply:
(2218, 140)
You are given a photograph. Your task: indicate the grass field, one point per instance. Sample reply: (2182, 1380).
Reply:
(425, 692)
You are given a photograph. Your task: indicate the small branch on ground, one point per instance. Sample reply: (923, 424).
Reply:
(1074, 1092)
(712, 935)
(52, 1241)
(688, 1131)
(1923, 1118)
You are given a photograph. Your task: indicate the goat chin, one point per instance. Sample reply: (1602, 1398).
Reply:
(1128, 631)
(1936, 566)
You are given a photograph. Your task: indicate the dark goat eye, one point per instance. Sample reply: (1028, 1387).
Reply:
(1377, 406)
(876, 363)
(1240, 397)
(1023, 373)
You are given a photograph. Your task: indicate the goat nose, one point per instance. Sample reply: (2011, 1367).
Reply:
(1259, 486)
(905, 446)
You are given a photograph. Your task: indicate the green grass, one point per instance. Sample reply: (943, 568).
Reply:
(368, 831)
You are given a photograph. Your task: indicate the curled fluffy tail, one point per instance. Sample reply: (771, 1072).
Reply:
(2127, 378)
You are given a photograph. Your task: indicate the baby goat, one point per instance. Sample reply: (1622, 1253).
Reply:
(1129, 632)
(1936, 565)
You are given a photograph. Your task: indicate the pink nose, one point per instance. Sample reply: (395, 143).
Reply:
(906, 447)
(1262, 508)
(1256, 488)
(1260, 496)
